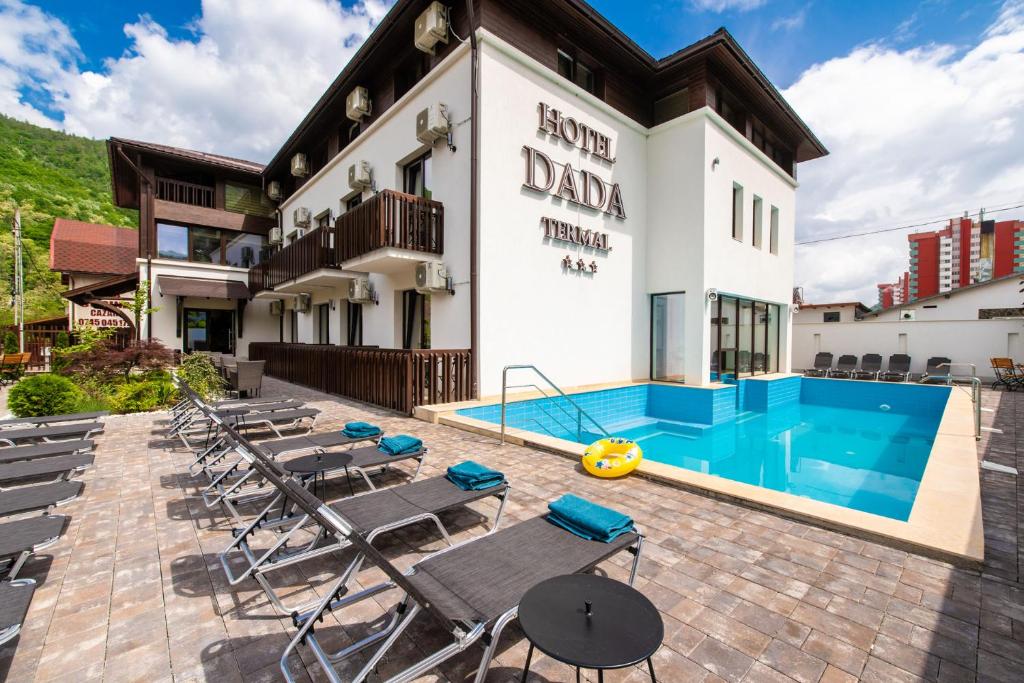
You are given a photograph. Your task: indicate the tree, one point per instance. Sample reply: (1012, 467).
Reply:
(139, 305)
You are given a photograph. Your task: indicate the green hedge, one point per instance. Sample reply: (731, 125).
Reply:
(46, 394)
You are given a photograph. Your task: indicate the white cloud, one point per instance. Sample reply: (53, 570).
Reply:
(924, 132)
(792, 22)
(726, 5)
(35, 49)
(238, 86)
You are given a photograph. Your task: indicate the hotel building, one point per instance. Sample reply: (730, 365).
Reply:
(484, 184)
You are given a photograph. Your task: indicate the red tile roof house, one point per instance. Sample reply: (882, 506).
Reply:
(86, 254)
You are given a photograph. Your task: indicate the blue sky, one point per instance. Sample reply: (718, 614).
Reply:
(920, 103)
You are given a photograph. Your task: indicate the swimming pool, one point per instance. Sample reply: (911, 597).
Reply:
(859, 445)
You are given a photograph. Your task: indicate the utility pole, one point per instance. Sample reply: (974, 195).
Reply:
(19, 282)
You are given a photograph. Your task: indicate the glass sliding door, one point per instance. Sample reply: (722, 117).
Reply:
(757, 358)
(744, 338)
(209, 330)
(727, 338)
(772, 353)
(667, 337)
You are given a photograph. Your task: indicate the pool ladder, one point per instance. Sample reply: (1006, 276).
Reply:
(579, 412)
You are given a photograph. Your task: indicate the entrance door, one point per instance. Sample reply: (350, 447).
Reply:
(667, 337)
(209, 330)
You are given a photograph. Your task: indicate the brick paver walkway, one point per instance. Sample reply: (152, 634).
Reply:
(134, 590)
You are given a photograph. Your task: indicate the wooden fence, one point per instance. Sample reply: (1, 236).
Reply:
(391, 378)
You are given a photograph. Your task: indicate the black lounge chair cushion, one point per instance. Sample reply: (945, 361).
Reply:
(371, 456)
(44, 466)
(258, 419)
(483, 579)
(389, 506)
(14, 602)
(309, 441)
(68, 431)
(43, 450)
(54, 419)
(29, 498)
(24, 534)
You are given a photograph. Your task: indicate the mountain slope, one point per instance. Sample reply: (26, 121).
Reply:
(48, 174)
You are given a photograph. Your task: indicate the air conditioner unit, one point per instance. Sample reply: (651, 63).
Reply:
(431, 27)
(360, 291)
(274, 190)
(303, 303)
(431, 276)
(300, 165)
(277, 307)
(360, 175)
(357, 104)
(908, 314)
(301, 217)
(275, 236)
(432, 124)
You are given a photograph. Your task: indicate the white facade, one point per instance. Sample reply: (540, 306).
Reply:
(579, 326)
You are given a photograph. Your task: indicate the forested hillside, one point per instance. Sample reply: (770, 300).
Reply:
(48, 174)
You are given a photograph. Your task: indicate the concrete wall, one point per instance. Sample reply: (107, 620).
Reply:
(847, 314)
(961, 304)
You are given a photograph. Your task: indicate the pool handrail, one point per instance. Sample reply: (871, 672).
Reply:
(580, 412)
(975, 392)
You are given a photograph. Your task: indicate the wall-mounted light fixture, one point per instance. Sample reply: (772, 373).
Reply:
(715, 162)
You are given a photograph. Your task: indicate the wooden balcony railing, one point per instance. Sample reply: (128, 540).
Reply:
(184, 193)
(388, 219)
(391, 378)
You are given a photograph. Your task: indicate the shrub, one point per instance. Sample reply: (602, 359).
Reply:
(10, 342)
(198, 372)
(46, 394)
(61, 341)
(136, 397)
(105, 360)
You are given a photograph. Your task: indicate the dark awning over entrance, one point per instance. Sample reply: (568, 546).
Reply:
(193, 286)
(105, 289)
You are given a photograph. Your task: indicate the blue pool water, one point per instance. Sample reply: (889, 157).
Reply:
(861, 445)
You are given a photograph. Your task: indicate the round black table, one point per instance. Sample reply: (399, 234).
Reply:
(316, 465)
(590, 622)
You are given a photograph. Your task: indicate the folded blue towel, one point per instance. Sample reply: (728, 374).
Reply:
(472, 476)
(588, 520)
(360, 430)
(401, 444)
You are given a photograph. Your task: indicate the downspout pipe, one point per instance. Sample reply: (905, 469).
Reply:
(474, 204)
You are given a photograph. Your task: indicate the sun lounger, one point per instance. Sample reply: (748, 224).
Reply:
(1007, 374)
(899, 369)
(68, 432)
(845, 367)
(870, 366)
(470, 590)
(38, 498)
(47, 420)
(822, 365)
(33, 451)
(936, 370)
(58, 468)
(371, 514)
(310, 442)
(15, 597)
(21, 538)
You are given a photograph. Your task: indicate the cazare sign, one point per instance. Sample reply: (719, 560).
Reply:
(580, 187)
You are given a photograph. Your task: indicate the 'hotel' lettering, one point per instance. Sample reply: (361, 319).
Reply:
(575, 133)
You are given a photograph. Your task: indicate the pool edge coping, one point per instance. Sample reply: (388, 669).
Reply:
(936, 527)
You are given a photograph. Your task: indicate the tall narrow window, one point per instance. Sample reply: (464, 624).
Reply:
(582, 75)
(355, 324)
(293, 326)
(773, 231)
(757, 222)
(737, 212)
(667, 337)
(416, 177)
(323, 327)
(415, 320)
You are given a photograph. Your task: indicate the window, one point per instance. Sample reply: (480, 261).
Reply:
(172, 241)
(737, 212)
(293, 326)
(353, 202)
(355, 324)
(205, 245)
(570, 67)
(744, 338)
(323, 325)
(757, 222)
(416, 177)
(667, 336)
(244, 250)
(773, 231)
(248, 199)
(322, 219)
(830, 317)
(415, 320)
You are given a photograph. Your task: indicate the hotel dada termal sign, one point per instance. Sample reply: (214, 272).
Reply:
(579, 187)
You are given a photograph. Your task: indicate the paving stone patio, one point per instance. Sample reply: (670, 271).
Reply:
(134, 591)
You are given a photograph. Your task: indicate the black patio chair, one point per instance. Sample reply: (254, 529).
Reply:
(822, 365)
(870, 366)
(845, 367)
(936, 370)
(899, 369)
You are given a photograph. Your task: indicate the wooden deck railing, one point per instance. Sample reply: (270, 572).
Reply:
(388, 219)
(184, 193)
(391, 378)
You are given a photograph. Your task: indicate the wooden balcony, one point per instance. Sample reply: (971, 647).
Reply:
(391, 378)
(181, 192)
(381, 234)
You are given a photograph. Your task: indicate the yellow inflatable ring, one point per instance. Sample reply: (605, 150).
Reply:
(612, 457)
